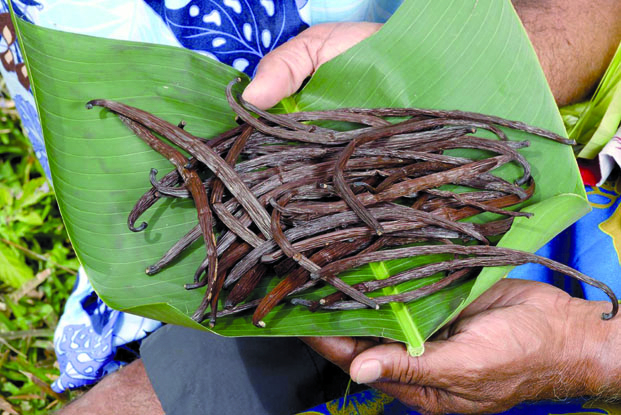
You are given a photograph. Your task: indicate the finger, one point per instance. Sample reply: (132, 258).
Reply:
(339, 350)
(441, 365)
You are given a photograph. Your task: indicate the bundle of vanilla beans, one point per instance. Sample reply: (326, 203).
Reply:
(306, 202)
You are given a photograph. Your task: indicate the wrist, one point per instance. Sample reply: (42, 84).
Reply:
(590, 352)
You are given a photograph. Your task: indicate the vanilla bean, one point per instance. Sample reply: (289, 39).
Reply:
(497, 227)
(482, 206)
(410, 141)
(338, 115)
(244, 287)
(465, 115)
(488, 181)
(188, 239)
(240, 308)
(406, 187)
(281, 239)
(333, 301)
(495, 256)
(313, 227)
(410, 219)
(203, 153)
(415, 170)
(499, 147)
(461, 213)
(366, 137)
(192, 182)
(147, 200)
(229, 220)
(219, 143)
(297, 135)
(337, 267)
(284, 267)
(320, 197)
(162, 190)
(282, 119)
(227, 259)
(300, 276)
(280, 157)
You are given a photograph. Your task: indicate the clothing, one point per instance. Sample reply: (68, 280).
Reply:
(89, 332)
(197, 373)
(237, 375)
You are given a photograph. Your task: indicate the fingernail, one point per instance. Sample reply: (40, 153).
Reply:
(369, 371)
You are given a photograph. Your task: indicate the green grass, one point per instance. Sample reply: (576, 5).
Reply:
(37, 272)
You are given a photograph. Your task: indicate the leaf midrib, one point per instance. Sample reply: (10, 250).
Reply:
(413, 338)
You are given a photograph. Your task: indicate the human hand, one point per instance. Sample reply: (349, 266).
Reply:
(282, 71)
(519, 341)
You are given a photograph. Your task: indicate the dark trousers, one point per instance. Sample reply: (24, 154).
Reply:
(195, 372)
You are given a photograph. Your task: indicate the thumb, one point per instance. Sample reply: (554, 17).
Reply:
(282, 71)
(392, 363)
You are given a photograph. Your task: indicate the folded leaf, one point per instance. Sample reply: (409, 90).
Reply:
(600, 119)
(471, 55)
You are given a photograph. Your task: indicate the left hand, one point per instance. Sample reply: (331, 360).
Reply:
(519, 341)
(282, 71)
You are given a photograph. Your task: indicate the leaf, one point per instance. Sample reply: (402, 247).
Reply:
(13, 269)
(6, 198)
(32, 192)
(31, 218)
(571, 114)
(600, 120)
(470, 55)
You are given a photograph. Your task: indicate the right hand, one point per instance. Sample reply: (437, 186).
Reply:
(521, 340)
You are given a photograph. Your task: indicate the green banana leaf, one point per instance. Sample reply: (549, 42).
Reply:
(469, 54)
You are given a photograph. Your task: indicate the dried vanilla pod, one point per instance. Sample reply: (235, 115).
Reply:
(308, 202)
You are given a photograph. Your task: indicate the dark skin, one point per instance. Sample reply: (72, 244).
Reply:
(519, 341)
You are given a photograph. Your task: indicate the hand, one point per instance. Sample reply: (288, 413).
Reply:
(282, 71)
(519, 341)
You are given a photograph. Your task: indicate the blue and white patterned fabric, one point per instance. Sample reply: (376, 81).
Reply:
(235, 32)
(239, 33)
(89, 334)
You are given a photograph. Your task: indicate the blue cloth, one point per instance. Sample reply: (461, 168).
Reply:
(374, 402)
